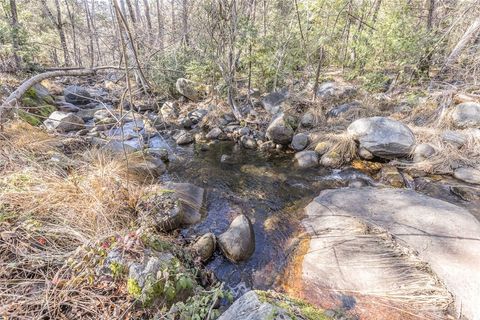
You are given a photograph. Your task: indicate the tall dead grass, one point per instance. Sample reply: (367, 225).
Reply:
(50, 206)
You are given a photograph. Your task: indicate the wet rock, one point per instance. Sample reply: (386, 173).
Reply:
(454, 138)
(238, 242)
(129, 130)
(423, 152)
(214, 133)
(251, 307)
(322, 147)
(77, 95)
(227, 159)
(352, 220)
(67, 107)
(204, 247)
(267, 146)
(184, 138)
(169, 110)
(273, 101)
(160, 153)
(160, 207)
(189, 89)
(244, 131)
(306, 159)
(197, 115)
(190, 200)
(467, 193)
(248, 142)
(308, 120)
(147, 167)
(186, 123)
(88, 114)
(331, 159)
(390, 175)
(64, 122)
(299, 141)
(333, 91)
(343, 108)
(118, 147)
(468, 174)
(383, 137)
(365, 154)
(280, 130)
(466, 115)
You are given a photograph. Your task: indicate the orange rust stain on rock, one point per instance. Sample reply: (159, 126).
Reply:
(368, 167)
(366, 307)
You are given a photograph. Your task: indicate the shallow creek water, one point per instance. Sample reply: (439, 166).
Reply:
(270, 190)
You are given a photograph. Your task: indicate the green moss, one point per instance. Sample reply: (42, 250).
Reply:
(133, 288)
(118, 270)
(29, 102)
(29, 118)
(46, 110)
(293, 306)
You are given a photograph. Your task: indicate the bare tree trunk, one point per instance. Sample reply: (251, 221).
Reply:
(76, 55)
(61, 32)
(15, 30)
(95, 33)
(174, 28)
(186, 40)
(137, 12)
(161, 25)
(471, 33)
(424, 65)
(130, 11)
(59, 25)
(317, 73)
(147, 16)
(90, 34)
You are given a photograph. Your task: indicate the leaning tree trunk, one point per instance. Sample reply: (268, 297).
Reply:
(471, 33)
(16, 95)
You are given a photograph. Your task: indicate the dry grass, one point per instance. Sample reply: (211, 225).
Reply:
(447, 156)
(53, 211)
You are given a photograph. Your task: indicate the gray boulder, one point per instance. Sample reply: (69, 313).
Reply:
(466, 115)
(251, 307)
(188, 89)
(334, 91)
(184, 138)
(308, 120)
(454, 138)
(280, 130)
(343, 108)
(383, 137)
(169, 110)
(214, 134)
(64, 122)
(468, 174)
(349, 251)
(300, 141)
(423, 152)
(238, 242)
(273, 101)
(248, 142)
(204, 247)
(306, 159)
(77, 95)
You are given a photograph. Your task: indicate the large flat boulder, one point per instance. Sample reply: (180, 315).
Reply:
(395, 252)
(466, 115)
(383, 137)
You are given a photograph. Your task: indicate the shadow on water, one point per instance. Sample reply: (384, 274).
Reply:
(267, 188)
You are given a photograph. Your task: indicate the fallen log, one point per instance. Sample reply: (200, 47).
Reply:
(17, 94)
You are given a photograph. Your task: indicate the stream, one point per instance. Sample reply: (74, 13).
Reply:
(269, 189)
